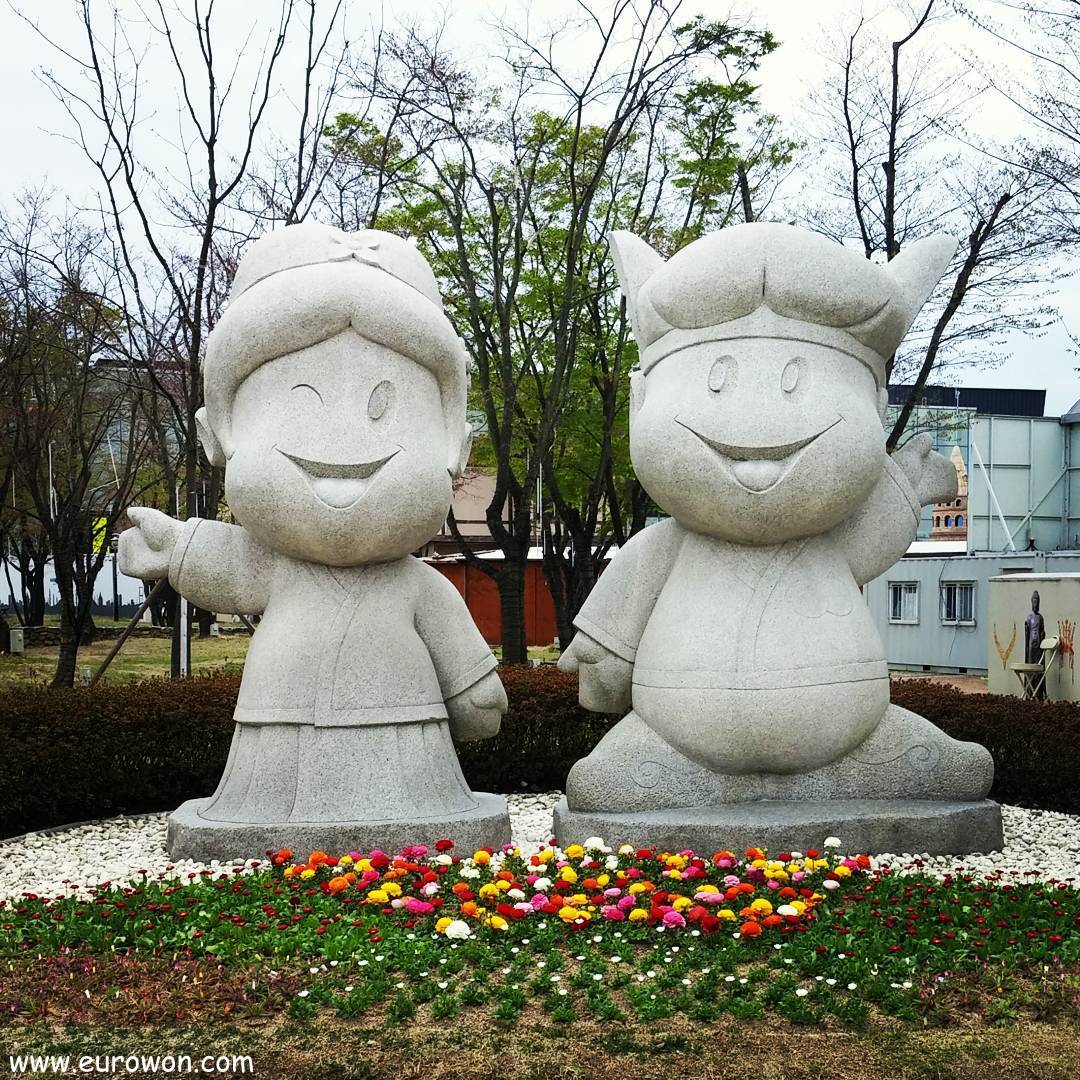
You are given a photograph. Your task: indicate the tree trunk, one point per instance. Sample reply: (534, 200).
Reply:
(556, 582)
(69, 631)
(511, 582)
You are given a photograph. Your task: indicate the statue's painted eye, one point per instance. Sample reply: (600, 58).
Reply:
(381, 399)
(790, 378)
(721, 373)
(311, 390)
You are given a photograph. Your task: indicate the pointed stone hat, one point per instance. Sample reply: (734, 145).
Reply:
(765, 280)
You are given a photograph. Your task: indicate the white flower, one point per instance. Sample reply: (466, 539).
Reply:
(801, 992)
(444, 860)
(458, 929)
(562, 991)
(597, 977)
(431, 888)
(830, 982)
(729, 978)
(595, 843)
(611, 862)
(787, 909)
(303, 993)
(831, 841)
(470, 872)
(852, 986)
(542, 884)
(831, 883)
(626, 849)
(443, 985)
(686, 982)
(348, 989)
(555, 978)
(513, 894)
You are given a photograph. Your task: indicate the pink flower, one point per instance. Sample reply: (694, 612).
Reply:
(625, 903)
(612, 893)
(772, 884)
(538, 901)
(732, 880)
(419, 907)
(673, 918)
(611, 912)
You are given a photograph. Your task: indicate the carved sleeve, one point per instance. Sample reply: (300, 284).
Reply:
(458, 650)
(882, 529)
(220, 567)
(618, 608)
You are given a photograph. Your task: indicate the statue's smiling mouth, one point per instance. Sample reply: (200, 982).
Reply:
(758, 468)
(338, 484)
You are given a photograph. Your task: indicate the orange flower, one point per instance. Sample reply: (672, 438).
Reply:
(283, 856)
(470, 908)
(337, 884)
(755, 853)
(460, 887)
(748, 913)
(772, 920)
(750, 929)
(317, 858)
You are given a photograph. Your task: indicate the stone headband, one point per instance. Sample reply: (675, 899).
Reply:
(764, 324)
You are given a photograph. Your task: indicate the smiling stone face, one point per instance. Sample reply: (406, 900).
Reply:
(757, 440)
(340, 453)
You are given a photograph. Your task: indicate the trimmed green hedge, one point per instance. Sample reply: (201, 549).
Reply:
(72, 755)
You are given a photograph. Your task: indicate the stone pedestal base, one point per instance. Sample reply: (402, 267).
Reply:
(193, 837)
(864, 826)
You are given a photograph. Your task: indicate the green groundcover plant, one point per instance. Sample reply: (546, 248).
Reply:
(629, 934)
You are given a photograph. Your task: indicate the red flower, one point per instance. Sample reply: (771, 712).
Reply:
(443, 845)
(750, 929)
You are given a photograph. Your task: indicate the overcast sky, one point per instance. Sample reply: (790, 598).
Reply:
(35, 153)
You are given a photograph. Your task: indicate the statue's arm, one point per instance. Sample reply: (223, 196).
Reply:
(882, 529)
(614, 616)
(463, 661)
(219, 567)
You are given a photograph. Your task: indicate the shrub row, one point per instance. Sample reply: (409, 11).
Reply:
(1035, 745)
(72, 755)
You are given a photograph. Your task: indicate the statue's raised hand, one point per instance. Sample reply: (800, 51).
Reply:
(931, 475)
(604, 679)
(476, 713)
(145, 551)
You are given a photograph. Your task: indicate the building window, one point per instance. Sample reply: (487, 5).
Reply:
(958, 603)
(959, 521)
(948, 521)
(937, 522)
(903, 601)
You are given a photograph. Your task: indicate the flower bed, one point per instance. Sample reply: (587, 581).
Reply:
(636, 934)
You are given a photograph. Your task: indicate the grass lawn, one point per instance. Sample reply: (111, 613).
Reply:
(140, 658)
(578, 964)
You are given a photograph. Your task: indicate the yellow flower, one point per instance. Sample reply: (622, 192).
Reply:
(345, 860)
(761, 905)
(798, 905)
(502, 885)
(709, 887)
(569, 914)
(291, 871)
(307, 872)
(676, 862)
(364, 865)
(725, 913)
(568, 873)
(603, 879)
(490, 889)
(842, 871)
(574, 851)
(546, 856)
(378, 896)
(758, 864)
(442, 924)
(578, 899)
(681, 902)
(636, 888)
(481, 858)
(638, 914)
(497, 922)
(392, 888)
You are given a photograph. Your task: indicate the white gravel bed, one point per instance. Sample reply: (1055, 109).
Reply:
(1039, 844)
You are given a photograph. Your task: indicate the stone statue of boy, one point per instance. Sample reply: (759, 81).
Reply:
(735, 631)
(335, 399)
